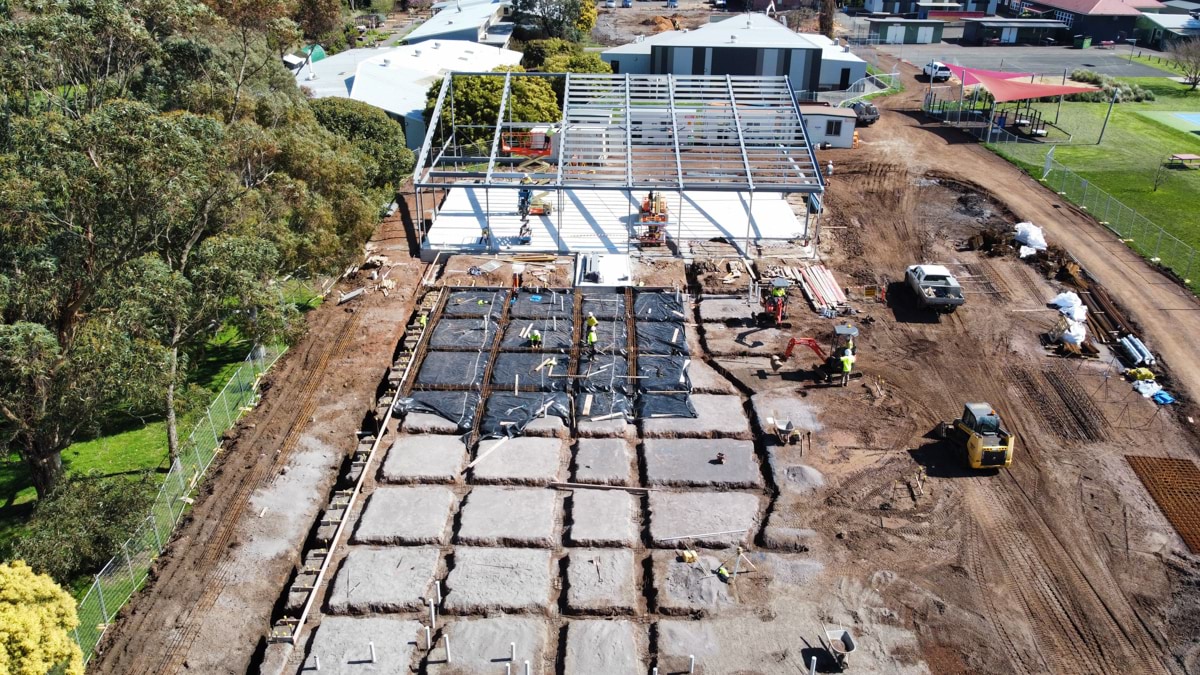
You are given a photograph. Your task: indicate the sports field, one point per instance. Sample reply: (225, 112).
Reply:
(1183, 120)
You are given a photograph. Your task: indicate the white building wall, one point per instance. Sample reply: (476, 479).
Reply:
(816, 129)
(637, 64)
(831, 69)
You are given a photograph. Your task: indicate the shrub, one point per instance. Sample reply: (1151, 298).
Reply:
(1126, 92)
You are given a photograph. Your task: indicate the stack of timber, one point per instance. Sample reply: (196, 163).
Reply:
(821, 288)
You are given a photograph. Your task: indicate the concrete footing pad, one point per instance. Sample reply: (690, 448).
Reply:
(722, 310)
(405, 515)
(603, 518)
(393, 579)
(688, 589)
(343, 645)
(606, 461)
(486, 580)
(520, 461)
(692, 462)
(613, 428)
(598, 646)
(602, 581)
(698, 515)
(426, 423)
(498, 516)
(484, 646)
(742, 340)
(706, 380)
(716, 417)
(424, 459)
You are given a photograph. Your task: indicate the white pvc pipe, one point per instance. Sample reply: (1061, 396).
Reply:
(812, 666)
(691, 663)
(526, 668)
(428, 639)
(432, 615)
(318, 660)
(508, 669)
(512, 651)
(372, 646)
(446, 638)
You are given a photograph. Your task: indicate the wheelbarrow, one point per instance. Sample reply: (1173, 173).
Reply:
(841, 644)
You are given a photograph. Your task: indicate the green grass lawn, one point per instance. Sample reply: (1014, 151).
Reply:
(1126, 163)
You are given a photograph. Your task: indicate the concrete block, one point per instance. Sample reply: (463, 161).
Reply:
(706, 380)
(482, 646)
(427, 423)
(611, 428)
(598, 646)
(486, 580)
(729, 310)
(716, 417)
(393, 579)
(520, 461)
(548, 426)
(424, 459)
(606, 461)
(501, 516)
(691, 462)
(685, 514)
(603, 518)
(602, 581)
(344, 645)
(688, 589)
(405, 515)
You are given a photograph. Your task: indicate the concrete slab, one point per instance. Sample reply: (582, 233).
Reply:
(343, 644)
(501, 516)
(686, 514)
(706, 380)
(688, 589)
(613, 428)
(393, 579)
(405, 515)
(424, 459)
(485, 580)
(482, 646)
(788, 406)
(716, 417)
(724, 340)
(597, 646)
(427, 423)
(520, 461)
(548, 426)
(606, 461)
(602, 581)
(603, 518)
(681, 639)
(729, 310)
(691, 462)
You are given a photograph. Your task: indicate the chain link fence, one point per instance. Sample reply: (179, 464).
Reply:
(127, 571)
(1135, 230)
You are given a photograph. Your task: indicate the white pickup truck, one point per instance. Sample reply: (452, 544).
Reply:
(937, 71)
(935, 287)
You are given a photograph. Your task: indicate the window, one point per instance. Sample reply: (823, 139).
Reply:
(833, 128)
(1065, 17)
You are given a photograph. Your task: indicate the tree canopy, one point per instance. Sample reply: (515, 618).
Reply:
(159, 169)
(589, 62)
(36, 620)
(566, 19)
(537, 51)
(477, 102)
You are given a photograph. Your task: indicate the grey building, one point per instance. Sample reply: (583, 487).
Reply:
(748, 44)
(906, 31)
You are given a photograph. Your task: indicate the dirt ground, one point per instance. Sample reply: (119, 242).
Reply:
(1061, 564)
(617, 26)
(211, 594)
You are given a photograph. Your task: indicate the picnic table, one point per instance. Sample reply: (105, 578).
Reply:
(1184, 159)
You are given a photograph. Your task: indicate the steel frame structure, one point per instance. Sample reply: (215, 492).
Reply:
(632, 133)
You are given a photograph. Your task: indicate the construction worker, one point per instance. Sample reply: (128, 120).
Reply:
(778, 292)
(424, 320)
(591, 340)
(591, 321)
(535, 339)
(524, 196)
(847, 366)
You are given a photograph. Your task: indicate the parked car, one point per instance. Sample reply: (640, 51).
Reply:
(867, 113)
(610, 4)
(937, 71)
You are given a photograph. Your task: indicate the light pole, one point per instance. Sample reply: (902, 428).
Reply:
(1132, 44)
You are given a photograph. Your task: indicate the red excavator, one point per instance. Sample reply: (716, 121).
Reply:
(830, 366)
(775, 305)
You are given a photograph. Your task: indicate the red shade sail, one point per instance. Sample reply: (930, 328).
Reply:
(967, 75)
(1010, 90)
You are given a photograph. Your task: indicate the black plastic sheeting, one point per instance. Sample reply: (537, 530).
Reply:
(665, 405)
(606, 306)
(508, 414)
(650, 306)
(612, 337)
(661, 337)
(509, 366)
(603, 372)
(462, 304)
(663, 373)
(603, 405)
(453, 368)
(556, 335)
(463, 333)
(457, 406)
(542, 306)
